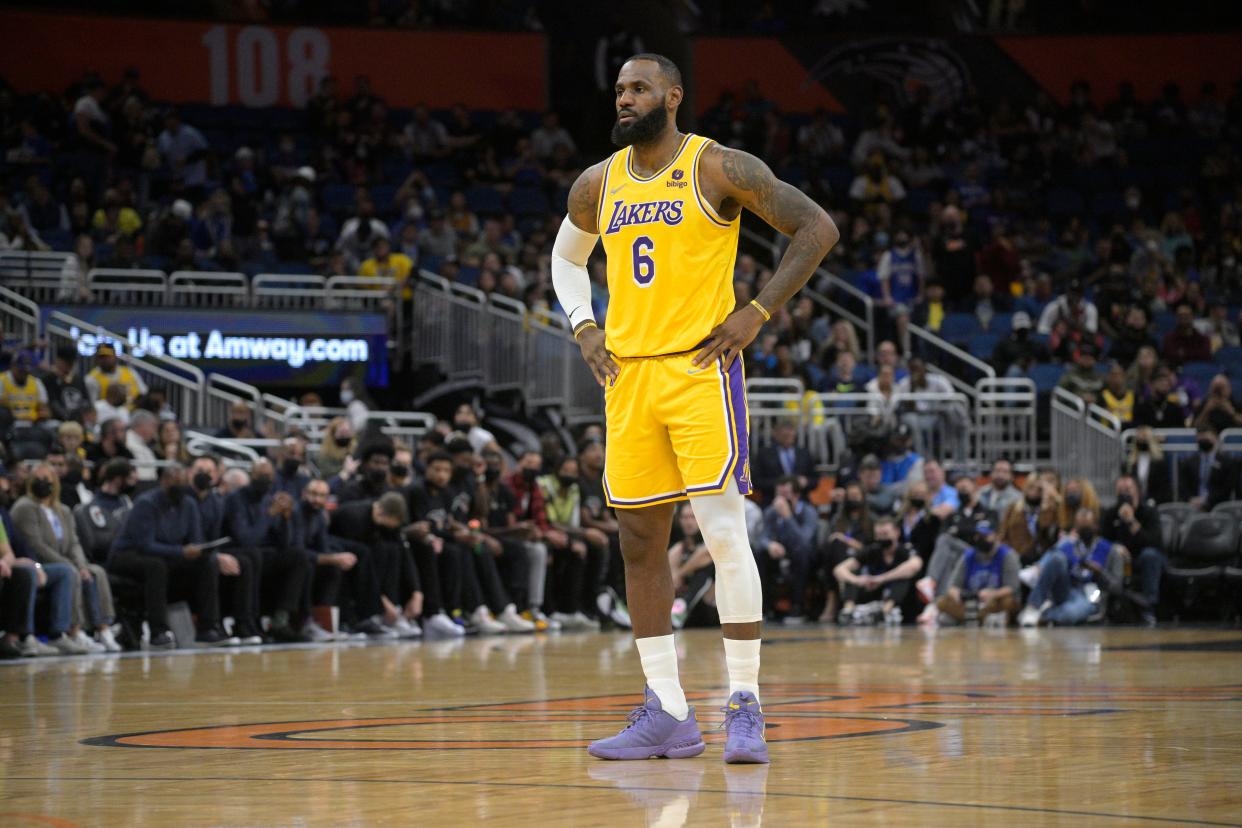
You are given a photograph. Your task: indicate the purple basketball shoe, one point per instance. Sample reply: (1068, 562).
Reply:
(652, 733)
(743, 724)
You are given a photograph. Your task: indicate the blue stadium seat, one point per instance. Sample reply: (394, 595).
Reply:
(485, 200)
(338, 198)
(1046, 376)
(1001, 324)
(982, 345)
(1200, 372)
(527, 201)
(959, 327)
(1165, 321)
(382, 195)
(1228, 357)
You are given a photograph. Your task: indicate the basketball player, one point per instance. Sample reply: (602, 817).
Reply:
(668, 207)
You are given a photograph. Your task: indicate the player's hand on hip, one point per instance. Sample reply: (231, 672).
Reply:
(729, 337)
(591, 341)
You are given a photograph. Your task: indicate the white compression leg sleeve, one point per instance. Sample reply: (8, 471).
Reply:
(722, 519)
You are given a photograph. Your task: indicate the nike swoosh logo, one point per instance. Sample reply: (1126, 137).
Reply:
(617, 190)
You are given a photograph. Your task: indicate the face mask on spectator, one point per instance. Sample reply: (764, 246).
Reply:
(530, 474)
(238, 425)
(1124, 499)
(376, 477)
(853, 505)
(342, 442)
(289, 466)
(1206, 446)
(175, 494)
(1073, 500)
(492, 474)
(917, 502)
(1032, 502)
(400, 471)
(1142, 445)
(347, 396)
(1086, 536)
(259, 486)
(202, 481)
(567, 479)
(40, 488)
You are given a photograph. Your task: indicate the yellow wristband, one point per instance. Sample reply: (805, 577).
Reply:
(762, 310)
(582, 326)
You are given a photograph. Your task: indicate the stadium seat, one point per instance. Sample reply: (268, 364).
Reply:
(1230, 508)
(982, 345)
(1164, 323)
(1001, 324)
(1046, 376)
(959, 327)
(1230, 356)
(338, 198)
(1170, 533)
(1196, 575)
(527, 201)
(919, 201)
(485, 200)
(1200, 372)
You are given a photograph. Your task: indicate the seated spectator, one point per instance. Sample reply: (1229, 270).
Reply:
(847, 532)
(1217, 409)
(110, 445)
(1164, 409)
(70, 474)
(928, 419)
(358, 234)
(50, 534)
(330, 568)
(386, 264)
(1116, 396)
(523, 562)
(241, 423)
(1069, 313)
(99, 521)
(1135, 525)
(290, 477)
(1000, 493)
(22, 392)
(66, 388)
(930, 312)
(372, 479)
(1061, 595)
(881, 498)
(1029, 527)
(1209, 476)
(944, 498)
(169, 443)
(694, 575)
(466, 420)
(1014, 355)
(882, 573)
(108, 372)
(886, 353)
(577, 571)
(57, 582)
(1184, 343)
(143, 428)
(112, 406)
(791, 522)
(902, 464)
(783, 458)
(845, 377)
(882, 406)
(530, 511)
(262, 527)
(72, 437)
(18, 586)
(334, 451)
(1217, 327)
(160, 546)
(1146, 463)
(1082, 380)
(983, 303)
(597, 515)
(918, 524)
(1131, 336)
(986, 575)
(953, 540)
(1078, 493)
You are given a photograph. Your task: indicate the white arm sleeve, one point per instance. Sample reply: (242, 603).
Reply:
(570, 253)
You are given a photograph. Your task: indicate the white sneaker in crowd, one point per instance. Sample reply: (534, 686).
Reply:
(565, 620)
(585, 622)
(442, 625)
(994, 621)
(406, 628)
(552, 623)
(893, 617)
(927, 589)
(485, 622)
(65, 645)
(89, 645)
(1028, 575)
(1029, 617)
(108, 640)
(513, 622)
(316, 633)
(32, 647)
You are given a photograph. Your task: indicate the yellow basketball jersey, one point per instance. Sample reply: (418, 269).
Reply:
(670, 256)
(22, 400)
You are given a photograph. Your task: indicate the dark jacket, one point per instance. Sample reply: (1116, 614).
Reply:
(157, 526)
(310, 532)
(1222, 478)
(211, 512)
(99, 522)
(1113, 528)
(1159, 487)
(766, 468)
(247, 522)
(352, 521)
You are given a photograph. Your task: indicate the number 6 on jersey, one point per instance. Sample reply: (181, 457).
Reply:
(644, 265)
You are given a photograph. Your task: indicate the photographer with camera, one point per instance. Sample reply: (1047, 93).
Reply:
(875, 582)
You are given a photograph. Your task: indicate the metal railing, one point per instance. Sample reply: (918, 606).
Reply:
(19, 316)
(288, 292)
(212, 290)
(222, 392)
(505, 354)
(1005, 424)
(112, 286)
(959, 367)
(1086, 440)
(42, 277)
(183, 384)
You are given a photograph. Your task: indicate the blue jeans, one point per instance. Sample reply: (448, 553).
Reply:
(62, 585)
(1069, 604)
(1148, 569)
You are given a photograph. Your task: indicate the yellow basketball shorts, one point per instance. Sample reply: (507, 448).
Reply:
(674, 431)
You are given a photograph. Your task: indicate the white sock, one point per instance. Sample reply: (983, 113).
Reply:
(742, 658)
(659, 659)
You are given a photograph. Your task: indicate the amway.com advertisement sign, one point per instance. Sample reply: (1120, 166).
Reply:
(270, 347)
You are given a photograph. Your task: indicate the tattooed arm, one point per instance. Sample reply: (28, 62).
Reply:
(735, 180)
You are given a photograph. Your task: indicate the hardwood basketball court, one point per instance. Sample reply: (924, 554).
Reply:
(867, 726)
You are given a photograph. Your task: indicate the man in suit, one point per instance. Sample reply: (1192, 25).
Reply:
(783, 459)
(1208, 476)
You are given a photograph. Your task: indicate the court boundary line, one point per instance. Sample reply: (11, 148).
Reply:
(927, 803)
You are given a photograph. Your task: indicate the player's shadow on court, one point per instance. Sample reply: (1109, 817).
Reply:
(668, 790)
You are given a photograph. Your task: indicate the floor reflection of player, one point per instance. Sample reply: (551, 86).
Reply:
(668, 208)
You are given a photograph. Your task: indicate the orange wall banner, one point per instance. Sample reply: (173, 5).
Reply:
(260, 66)
(781, 77)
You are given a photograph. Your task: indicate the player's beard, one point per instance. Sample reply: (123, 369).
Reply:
(642, 130)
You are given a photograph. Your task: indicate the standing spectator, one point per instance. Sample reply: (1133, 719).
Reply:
(1135, 524)
(792, 522)
(107, 372)
(1164, 408)
(386, 264)
(1068, 313)
(1184, 343)
(66, 390)
(902, 275)
(359, 233)
(1217, 407)
(22, 393)
(161, 546)
(883, 573)
(334, 450)
(92, 133)
(185, 152)
(954, 256)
